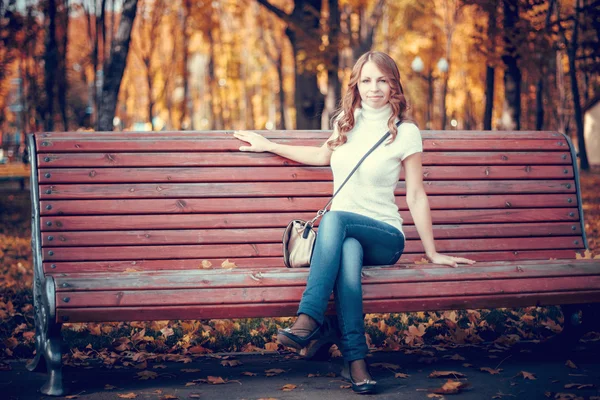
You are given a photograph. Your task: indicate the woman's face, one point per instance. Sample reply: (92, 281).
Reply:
(373, 86)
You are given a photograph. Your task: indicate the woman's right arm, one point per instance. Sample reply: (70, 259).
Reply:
(308, 155)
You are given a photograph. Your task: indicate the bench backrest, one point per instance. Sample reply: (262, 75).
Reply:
(181, 200)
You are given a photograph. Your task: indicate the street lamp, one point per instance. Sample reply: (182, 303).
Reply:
(418, 66)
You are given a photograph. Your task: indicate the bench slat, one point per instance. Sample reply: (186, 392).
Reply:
(279, 133)
(267, 263)
(266, 189)
(78, 160)
(164, 143)
(280, 220)
(273, 235)
(275, 249)
(382, 291)
(187, 205)
(283, 277)
(267, 174)
(114, 314)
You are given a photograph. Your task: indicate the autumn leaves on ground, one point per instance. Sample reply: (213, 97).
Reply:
(138, 344)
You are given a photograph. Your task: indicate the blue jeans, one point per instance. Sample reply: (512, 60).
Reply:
(344, 241)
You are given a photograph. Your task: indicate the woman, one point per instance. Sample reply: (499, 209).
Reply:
(363, 225)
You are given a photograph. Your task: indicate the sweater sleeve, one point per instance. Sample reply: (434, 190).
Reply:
(410, 138)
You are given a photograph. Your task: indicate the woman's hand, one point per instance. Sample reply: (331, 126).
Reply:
(443, 259)
(258, 143)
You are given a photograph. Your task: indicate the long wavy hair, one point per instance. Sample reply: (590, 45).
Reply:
(344, 115)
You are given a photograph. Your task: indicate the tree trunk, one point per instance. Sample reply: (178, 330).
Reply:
(572, 54)
(50, 60)
(539, 104)
(186, 102)
(217, 108)
(282, 120)
(116, 66)
(61, 80)
(334, 86)
(511, 114)
(489, 97)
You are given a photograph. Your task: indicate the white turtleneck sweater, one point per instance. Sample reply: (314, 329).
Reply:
(370, 191)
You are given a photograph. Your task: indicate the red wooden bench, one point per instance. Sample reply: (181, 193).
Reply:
(125, 223)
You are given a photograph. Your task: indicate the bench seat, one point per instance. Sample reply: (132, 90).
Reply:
(181, 225)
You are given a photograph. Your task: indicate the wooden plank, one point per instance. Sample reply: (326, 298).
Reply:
(93, 253)
(279, 174)
(115, 314)
(280, 220)
(324, 134)
(284, 277)
(273, 235)
(276, 204)
(382, 291)
(240, 159)
(268, 189)
(267, 263)
(162, 143)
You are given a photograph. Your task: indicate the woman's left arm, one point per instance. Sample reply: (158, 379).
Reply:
(419, 209)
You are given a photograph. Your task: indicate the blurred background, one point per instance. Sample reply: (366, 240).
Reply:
(283, 64)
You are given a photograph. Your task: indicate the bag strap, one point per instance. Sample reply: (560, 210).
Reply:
(322, 211)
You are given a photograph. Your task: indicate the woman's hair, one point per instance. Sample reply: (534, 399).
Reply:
(344, 115)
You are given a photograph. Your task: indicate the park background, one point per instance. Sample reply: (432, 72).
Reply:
(259, 64)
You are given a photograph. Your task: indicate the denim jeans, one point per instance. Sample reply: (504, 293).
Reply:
(344, 241)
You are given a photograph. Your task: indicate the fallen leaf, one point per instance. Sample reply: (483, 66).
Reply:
(247, 373)
(109, 387)
(490, 370)
(159, 366)
(527, 375)
(215, 380)
(194, 396)
(345, 386)
(579, 385)
(145, 375)
(190, 370)
(127, 396)
(274, 372)
(467, 365)
(435, 396)
(228, 265)
(231, 363)
(288, 388)
(190, 384)
(385, 365)
(401, 375)
(446, 374)
(313, 375)
(450, 387)
(271, 346)
(571, 364)
(130, 270)
(422, 261)
(168, 397)
(206, 264)
(455, 357)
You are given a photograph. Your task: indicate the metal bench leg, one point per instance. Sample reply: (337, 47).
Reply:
(48, 339)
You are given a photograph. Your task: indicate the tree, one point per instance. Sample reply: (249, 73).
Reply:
(511, 114)
(115, 66)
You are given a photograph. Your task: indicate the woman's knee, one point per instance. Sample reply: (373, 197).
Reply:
(351, 263)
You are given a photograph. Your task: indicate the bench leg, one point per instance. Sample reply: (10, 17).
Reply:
(48, 357)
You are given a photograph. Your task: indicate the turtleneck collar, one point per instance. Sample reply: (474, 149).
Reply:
(371, 114)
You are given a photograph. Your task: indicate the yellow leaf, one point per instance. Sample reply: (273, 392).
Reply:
(571, 364)
(446, 374)
(130, 270)
(288, 388)
(435, 396)
(127, 396)
(191, 384)
(451, 387)
(228, 265)
(206, 264)
(422, 261)
(271, 346)
(215, 380)
(168, 397)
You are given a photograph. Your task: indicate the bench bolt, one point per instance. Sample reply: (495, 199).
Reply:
(573, 228)
(569, 200)
(50, 238)
(49, 223)
(53, 266)
(576, 242)
(49, 191)
(66, 299)
(48, 207)
(47, 175)
(50, 253)
(571, 214)
(568, 186)
(47, 159)
(65, 284)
